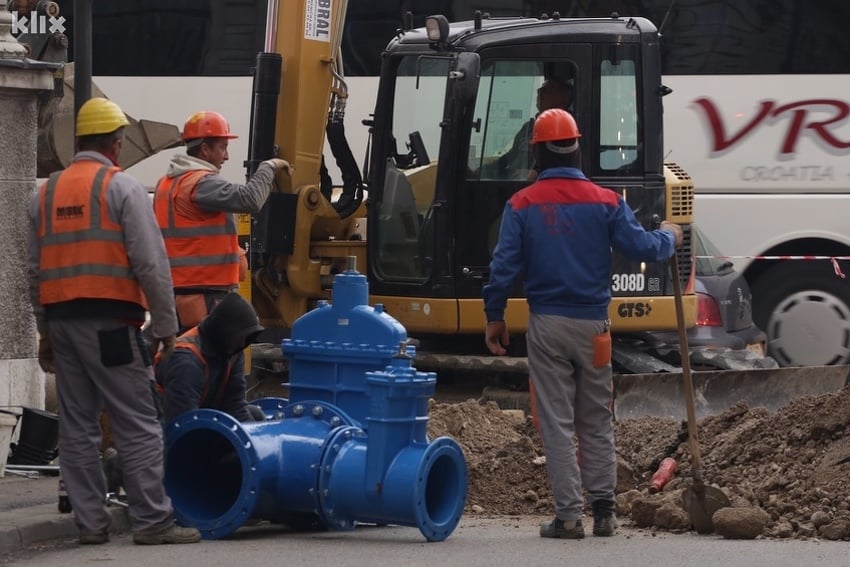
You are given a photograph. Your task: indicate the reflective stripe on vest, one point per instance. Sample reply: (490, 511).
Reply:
(82, 253)
(191, 341)
(203, 250)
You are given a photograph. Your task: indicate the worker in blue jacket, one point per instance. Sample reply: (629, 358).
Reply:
(559, 232)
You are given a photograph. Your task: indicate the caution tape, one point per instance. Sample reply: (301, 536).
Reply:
(833, 259)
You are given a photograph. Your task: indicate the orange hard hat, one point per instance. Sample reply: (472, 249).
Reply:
(554, 124)
(206, 124)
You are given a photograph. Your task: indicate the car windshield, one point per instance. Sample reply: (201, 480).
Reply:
(709, 260)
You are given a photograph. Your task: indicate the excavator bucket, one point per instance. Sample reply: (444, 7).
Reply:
(653, 393)
(662, 394)
(142, 138)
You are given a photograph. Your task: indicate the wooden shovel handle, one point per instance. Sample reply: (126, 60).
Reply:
(693, 438)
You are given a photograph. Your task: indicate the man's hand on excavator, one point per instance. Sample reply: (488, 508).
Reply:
(496, 337)
(673, 229)
(46, 359)
(278, 164)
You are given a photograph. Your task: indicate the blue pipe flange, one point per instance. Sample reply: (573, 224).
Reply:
(214, 486)
(337, 445)
(440, 489)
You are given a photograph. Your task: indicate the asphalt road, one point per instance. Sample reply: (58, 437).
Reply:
(476, 542)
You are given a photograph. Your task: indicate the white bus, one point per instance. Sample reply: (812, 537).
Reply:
(758, 116)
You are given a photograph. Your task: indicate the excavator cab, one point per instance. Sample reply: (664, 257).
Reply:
(465, 94)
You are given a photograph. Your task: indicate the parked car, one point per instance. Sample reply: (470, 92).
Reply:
(725, 335)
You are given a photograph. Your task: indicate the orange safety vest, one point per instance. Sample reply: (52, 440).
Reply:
(82, 253)
(191, 341)
(203, 250)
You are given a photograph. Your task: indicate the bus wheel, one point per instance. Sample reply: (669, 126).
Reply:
(804, 308)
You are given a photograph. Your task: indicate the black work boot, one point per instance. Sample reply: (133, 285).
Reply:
(564, 529)
(604, 522)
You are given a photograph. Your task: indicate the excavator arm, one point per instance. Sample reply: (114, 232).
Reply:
(293, 265)
(55, 149)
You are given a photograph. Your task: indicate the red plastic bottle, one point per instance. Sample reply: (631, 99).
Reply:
(663, 475)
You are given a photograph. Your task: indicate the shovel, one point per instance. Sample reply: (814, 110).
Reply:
(701, 501)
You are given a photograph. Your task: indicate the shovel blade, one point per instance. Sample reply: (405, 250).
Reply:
(701, 502)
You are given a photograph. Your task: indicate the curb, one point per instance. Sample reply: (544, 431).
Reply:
(22, 527)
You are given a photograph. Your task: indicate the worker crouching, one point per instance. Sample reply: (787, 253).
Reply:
(206, 369)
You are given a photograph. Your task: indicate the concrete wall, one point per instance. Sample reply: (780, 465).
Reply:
(21, 380)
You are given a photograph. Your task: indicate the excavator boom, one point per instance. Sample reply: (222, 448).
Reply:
(302, 237)
(307, 36)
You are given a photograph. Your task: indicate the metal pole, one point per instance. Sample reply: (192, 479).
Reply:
(82, 52)
(43, 468)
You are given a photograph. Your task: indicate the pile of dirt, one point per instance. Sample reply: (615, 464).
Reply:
(794, 464)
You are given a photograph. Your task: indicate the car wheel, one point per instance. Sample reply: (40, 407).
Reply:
(805, 310)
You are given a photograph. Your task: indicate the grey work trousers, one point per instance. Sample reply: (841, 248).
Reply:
(101, 363)
(573, 398)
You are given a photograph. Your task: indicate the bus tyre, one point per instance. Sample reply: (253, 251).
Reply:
(804, 308)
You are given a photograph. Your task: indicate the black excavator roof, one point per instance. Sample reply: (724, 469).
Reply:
(493, 32)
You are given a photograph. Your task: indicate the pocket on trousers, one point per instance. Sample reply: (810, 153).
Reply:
(115, 347)
(602, 350)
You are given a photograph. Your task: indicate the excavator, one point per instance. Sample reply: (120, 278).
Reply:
(420, 217)
(453, 95)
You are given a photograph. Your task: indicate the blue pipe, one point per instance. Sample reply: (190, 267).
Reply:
(349, 446)
(394, 475)
(220, 472)
(423, 487)
(317, 468)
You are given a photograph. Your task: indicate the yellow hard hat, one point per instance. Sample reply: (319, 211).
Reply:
(100, 116)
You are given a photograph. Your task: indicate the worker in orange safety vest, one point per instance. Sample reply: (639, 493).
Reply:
(96, 263)
(195, 208)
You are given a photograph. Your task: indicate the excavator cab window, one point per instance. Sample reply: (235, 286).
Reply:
(409, 181)
(509, 97)
(500, 160)
(618, 115)
(500, 144)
